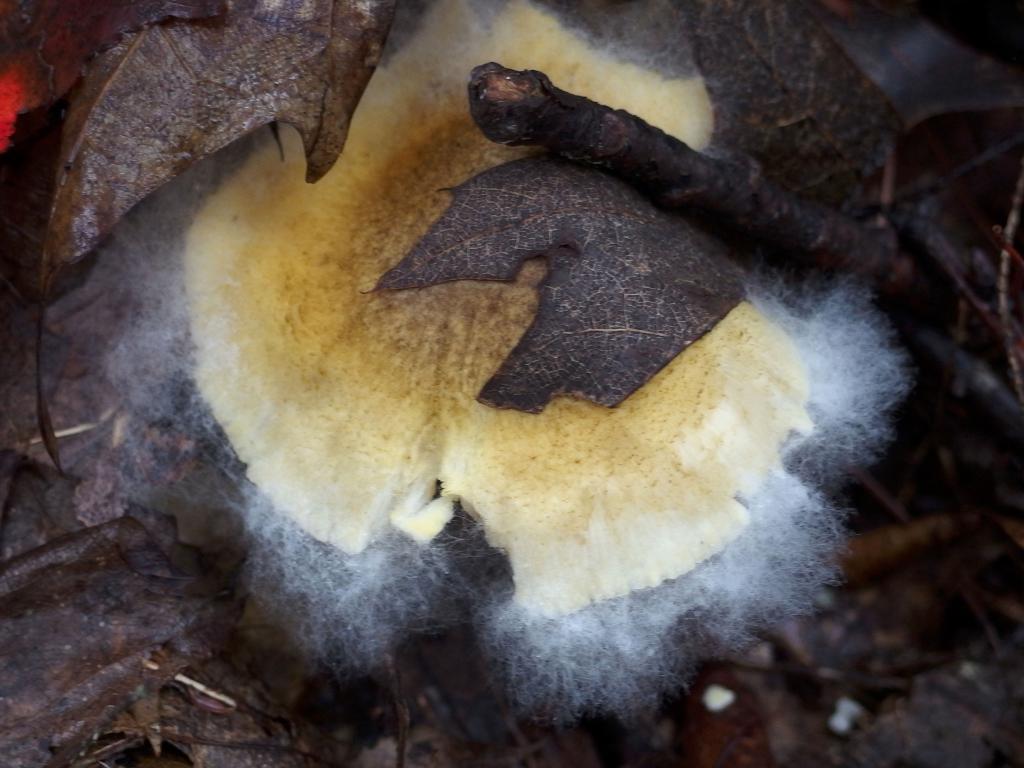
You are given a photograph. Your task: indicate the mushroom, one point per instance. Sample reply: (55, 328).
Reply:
(639, 538)
(349, 407)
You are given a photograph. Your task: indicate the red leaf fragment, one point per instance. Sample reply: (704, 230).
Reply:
(12, 100)
(45, 43)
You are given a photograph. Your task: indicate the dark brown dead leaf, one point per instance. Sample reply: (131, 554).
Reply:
(818, 91)
(9, 461)
(781, 88)
(145, 713)
(27, 175)
(37, 509)
(92, 620)
(1013, 528)
(628, 286)
(45, 43)
(964, 716)
(870, 630)
(922, 69)
(885, 549)
(246, 729)
(170, 95)
(784, 92)
(254, 734)
(42, 505)
(997, 28)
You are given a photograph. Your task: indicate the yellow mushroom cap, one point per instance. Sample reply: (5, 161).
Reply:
(348, 406)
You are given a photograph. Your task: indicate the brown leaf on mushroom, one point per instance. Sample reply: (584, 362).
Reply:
(628, 286)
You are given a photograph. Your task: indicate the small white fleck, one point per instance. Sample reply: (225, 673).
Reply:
(969, 670)
(845, 716)
(716, 698)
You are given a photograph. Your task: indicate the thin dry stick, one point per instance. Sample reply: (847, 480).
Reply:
(923, 232)
(1003, 285)
(524, 108)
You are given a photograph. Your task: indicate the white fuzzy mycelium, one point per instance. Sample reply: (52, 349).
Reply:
(603, 550)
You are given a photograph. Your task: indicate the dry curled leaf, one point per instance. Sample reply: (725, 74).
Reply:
(90, 621)
(45, 43)
(628, 286)
(170, 95)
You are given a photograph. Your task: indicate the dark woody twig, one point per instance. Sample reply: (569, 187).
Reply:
(985, 390)
(921, 231)
(523, 107)
(513, 107)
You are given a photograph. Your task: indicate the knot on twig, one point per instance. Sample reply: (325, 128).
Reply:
(505, 103)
